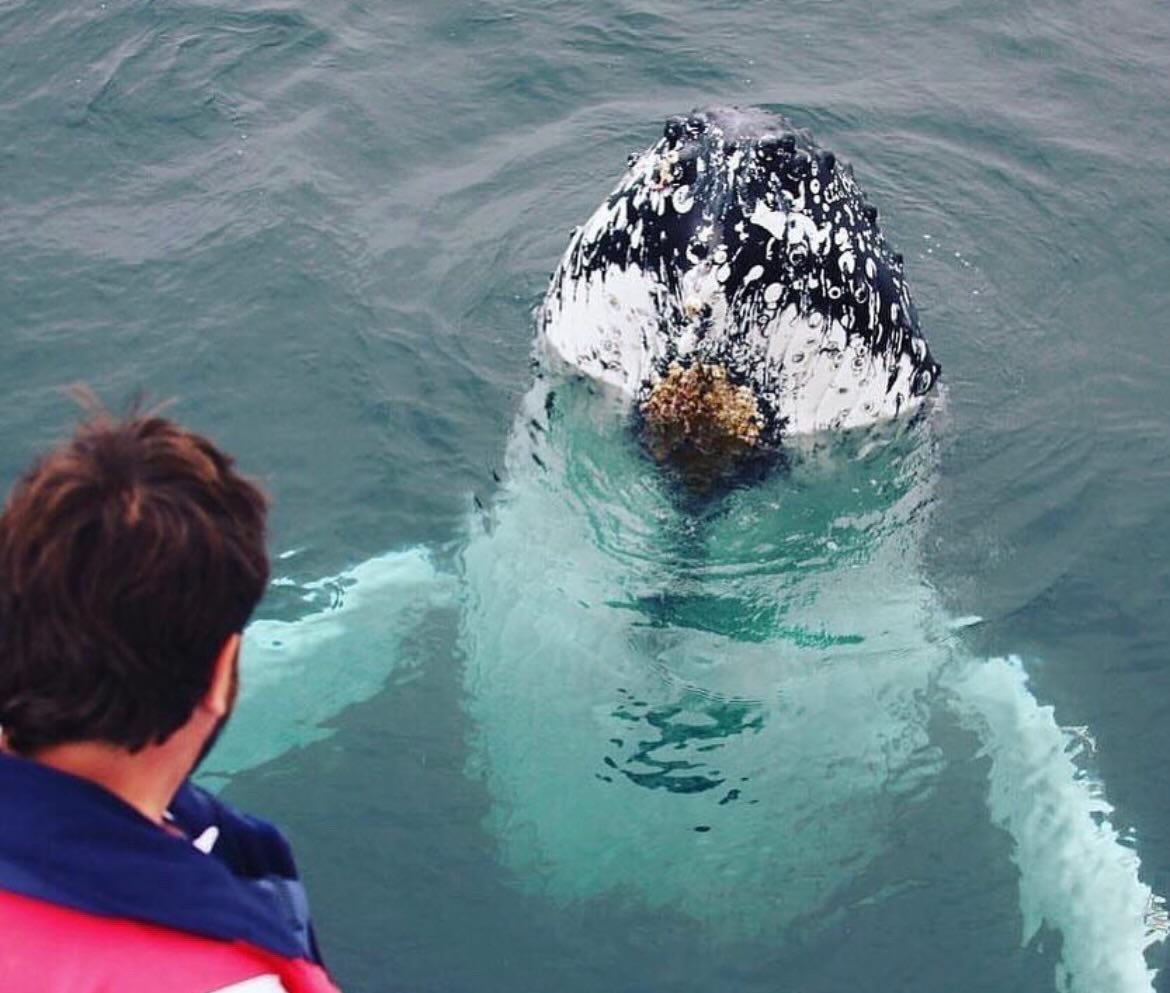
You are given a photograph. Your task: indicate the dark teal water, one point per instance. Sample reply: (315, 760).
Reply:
(323, 229)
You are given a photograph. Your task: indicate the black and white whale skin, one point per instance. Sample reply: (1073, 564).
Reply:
(735, 242)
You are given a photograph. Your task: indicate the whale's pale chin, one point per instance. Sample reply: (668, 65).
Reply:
(735, 243)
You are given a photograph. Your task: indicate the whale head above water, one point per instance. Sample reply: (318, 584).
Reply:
(736, 288)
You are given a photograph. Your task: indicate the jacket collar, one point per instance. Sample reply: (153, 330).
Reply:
(68, 841)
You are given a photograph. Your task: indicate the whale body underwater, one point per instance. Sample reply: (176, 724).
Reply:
(722, 701)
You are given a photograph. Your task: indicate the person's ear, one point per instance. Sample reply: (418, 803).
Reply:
(218, 699)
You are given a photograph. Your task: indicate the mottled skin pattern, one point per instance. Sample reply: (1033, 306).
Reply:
(736, 241)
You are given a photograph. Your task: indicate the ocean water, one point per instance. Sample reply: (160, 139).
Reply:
(935, 678)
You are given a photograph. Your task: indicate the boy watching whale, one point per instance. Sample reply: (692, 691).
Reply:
(131, 558)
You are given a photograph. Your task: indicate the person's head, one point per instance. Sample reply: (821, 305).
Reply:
(129, 557)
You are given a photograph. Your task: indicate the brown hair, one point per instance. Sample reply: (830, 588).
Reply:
(128, 555)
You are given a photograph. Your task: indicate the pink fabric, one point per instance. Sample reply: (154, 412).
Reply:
(45, 948)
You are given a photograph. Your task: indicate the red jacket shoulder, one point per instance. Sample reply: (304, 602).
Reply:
(52, 949)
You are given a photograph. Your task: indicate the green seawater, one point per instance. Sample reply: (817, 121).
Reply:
(323, 228)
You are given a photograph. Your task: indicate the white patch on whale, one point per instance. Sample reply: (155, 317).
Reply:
(563, 661)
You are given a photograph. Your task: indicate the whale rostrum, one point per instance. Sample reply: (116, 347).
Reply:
(737, 263)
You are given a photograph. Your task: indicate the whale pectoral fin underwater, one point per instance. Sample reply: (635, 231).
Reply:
(736, 288)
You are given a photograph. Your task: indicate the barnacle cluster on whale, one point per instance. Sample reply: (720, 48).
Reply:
(735, 243)
(697, 421)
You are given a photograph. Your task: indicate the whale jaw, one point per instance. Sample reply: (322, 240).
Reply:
(736, 243)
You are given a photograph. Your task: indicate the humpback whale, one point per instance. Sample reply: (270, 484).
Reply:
(736, 709)
(724, 707)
